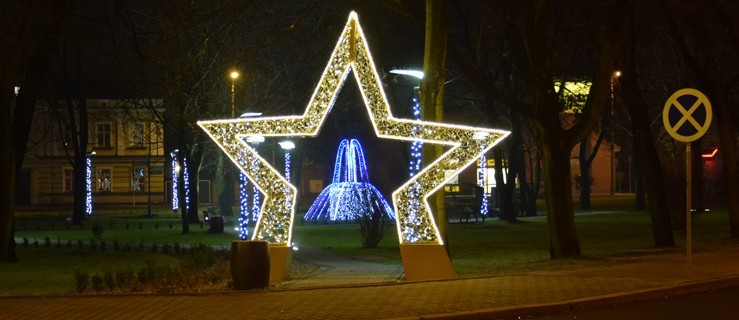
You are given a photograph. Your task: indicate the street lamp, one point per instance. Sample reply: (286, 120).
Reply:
(234, 75)
(614, 78)
(416, 146)
(415, 161)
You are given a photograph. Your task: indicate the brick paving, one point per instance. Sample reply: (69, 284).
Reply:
(588, 283)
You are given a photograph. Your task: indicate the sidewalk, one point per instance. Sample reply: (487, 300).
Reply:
(579, 284)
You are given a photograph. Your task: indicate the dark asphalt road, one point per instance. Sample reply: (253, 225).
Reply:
(715, 305)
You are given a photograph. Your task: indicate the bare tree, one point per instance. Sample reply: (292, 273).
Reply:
(541, 36)
(31, 34)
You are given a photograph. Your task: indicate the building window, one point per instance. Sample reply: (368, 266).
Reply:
(68, 181)
(103, 135)
(137, 179)
(103, 180)
(137, 134)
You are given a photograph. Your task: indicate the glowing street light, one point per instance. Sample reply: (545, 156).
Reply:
(616, 74)
(234, 75)
(413, 73)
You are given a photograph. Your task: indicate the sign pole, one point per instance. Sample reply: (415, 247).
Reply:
(687, 115)
(689, 204)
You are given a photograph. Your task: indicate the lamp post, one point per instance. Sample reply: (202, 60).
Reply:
(415, 161)
(234, 75)
(614, 78)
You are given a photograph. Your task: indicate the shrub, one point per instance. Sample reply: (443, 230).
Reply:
(47, 242)
(141, 225)
(103, 244)
(110, 280)
(140, 247)
(97, 283)
(35, 243)
(58, 242)
(170, 225)
(97, 231)
(81, 280)
(202, 257)
(25, 242)
(69, 244)
(156, 225)
(147, 274)
(116, 245)
(176, 248)
(154, 248)
(80, 244)
(166, 247)
(124, 278)
(127, 226)
(93, 244)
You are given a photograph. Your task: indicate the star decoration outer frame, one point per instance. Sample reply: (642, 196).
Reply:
(415, 221)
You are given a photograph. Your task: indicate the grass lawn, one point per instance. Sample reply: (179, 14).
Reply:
(476, 249)
(49, 271)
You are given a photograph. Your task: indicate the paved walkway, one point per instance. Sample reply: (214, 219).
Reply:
(336, 270)
(575, 284)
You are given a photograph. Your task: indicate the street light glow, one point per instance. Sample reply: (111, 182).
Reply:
(287, 145)
(412, 73)
(234, 75)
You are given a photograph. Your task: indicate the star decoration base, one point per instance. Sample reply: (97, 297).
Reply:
(426, 262)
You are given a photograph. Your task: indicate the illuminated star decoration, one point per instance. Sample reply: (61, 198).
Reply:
(350, 54)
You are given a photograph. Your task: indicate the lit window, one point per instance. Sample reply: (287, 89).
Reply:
(103, 180)
(137, 179)
(103, 135)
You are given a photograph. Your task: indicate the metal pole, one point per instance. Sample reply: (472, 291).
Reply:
(233, 98)
(613, 143)
(688, 202)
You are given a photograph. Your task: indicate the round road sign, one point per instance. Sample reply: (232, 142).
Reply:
(687, 115)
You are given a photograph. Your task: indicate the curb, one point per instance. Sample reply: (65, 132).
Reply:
(589, 303)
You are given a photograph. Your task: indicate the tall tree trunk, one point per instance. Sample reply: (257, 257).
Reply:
(645, 154)
(639, 199)
(431, 94)
(563, 240)
(584, 179)
(80, 163)
(182, 194)
(225, 184)
(7, 186)
(195, 160)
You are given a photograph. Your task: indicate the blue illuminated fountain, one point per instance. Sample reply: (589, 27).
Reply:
(350, 194)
